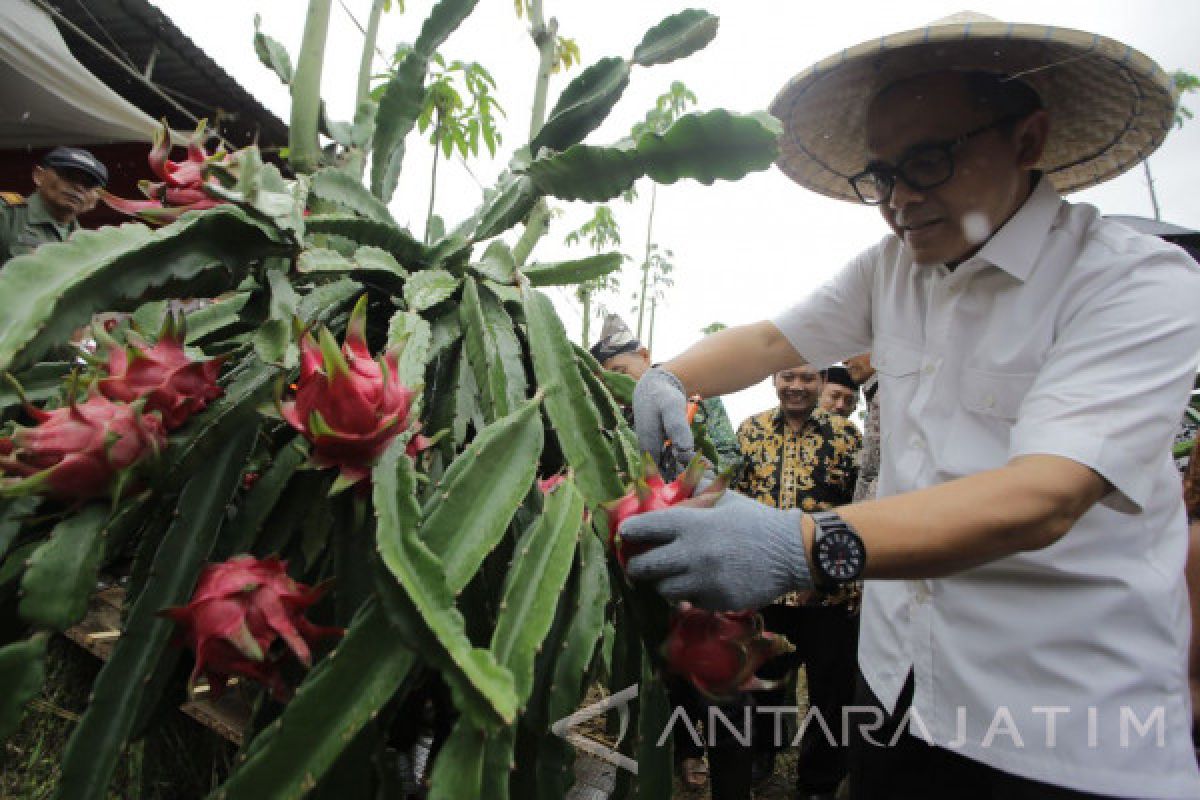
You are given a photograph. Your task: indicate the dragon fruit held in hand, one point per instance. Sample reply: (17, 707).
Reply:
(349, 405)
(649, 493)
(719, 651)
(240, 610)
(172, 383)
(81, 451)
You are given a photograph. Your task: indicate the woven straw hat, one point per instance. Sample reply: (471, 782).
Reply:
(1110, 106)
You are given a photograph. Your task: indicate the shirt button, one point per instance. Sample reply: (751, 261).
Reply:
(929, 369)
(916, 443)
(989, 402)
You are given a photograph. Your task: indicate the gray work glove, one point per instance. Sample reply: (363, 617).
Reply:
(737, 555)
(660, 413)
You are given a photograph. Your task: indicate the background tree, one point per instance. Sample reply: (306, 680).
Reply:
(600, 232)
(1185, 83)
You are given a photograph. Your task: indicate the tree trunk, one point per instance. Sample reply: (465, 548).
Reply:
(586, 296)
(1150, 186)
(650, 335)
(368, 53)
(304, 152)
(544, 37)
(646, 262)
(437, 145)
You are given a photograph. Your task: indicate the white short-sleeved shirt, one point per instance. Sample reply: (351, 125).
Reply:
(1070, 335)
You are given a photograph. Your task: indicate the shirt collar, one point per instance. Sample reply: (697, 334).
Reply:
(781, 421)
(1016, 246)
(39, 214)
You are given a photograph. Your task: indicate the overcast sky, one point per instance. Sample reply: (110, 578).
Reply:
(742, 251)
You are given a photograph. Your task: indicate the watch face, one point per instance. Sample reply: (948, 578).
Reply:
(840, 556)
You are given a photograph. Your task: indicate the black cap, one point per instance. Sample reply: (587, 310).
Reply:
(79, 160)
(839, 375)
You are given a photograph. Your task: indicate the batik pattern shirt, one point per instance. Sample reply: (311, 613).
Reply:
(812, 469)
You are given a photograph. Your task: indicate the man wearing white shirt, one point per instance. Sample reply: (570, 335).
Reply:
(1024, 625)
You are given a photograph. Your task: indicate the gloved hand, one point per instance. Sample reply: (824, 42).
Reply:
(660, 413)
(737, 555)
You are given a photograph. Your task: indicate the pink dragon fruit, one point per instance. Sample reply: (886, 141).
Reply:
(649, 493)
(349, 405)
(81, 451)
(180, 186)
(240, 610)
(548, 485)
(719, 651)
(172, 383)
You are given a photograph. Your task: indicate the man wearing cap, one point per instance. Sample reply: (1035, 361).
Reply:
(68, 182)
(840, 393)
(1024, 559)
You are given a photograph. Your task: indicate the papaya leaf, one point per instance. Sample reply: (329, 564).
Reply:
(46, 295)
(704, 147)
(677, 36)
(428, 288)
(335, 186)
(569, 272)
(583, 105)
(403, 95)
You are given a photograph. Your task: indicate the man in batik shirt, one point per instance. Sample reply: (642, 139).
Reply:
(801, 456)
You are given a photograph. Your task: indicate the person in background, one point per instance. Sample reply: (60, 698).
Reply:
(68, 183)
(840, 393)
(801, 456)
(618, 350)
(863, 374)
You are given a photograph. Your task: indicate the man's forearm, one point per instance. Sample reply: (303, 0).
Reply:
(733, 359)
(1027, 505)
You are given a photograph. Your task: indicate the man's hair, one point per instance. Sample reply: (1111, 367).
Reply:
(1001, 95)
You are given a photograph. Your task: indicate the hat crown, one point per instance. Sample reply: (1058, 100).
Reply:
(962, 18)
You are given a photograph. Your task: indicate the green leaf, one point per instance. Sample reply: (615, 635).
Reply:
(534, 582)
(568, 272)
(655, 773)
(429, 287)
(583, 105)
(497, 263)
(46, 295)
(39, 382)
(22, 671)
(403, 96)
(705, 147)
(238, 535)
(62, 571)
(500, 464)
(575, 418)
(480, 348)
(217, 316)
(411, 335)
(13, 514)
(335, 186)
(376, 259)
(458, 770)
(96, 743)
(423, 605)
(677, 36)
(320, 259)
(332, 705)
(509, 356)
(272, 54)
(394, 239)
(504, 206)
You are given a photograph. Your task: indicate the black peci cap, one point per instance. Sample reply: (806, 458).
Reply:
(77, 159)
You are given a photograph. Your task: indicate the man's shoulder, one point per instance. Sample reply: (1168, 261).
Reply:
(836, 424)
(12, 200)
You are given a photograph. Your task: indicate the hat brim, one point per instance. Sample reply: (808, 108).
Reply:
(1110, 106)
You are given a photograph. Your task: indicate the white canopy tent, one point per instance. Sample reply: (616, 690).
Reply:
(47, 97)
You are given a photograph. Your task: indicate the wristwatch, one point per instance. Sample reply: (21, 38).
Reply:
(838, 554)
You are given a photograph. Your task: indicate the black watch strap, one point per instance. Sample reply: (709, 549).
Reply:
(824, 524)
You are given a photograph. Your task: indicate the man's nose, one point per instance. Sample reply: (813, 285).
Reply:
(903, 195)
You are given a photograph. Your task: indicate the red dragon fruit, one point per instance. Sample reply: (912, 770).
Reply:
(548, 485)
(349, 405)
(719, 651)
(172, 383)
(81, 451)
(240, 610)
(649, 493)
(180, 186)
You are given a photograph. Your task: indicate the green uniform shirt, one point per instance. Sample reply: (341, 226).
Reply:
(26, 226)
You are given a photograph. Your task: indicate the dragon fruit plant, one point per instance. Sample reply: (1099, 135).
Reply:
(446, 560)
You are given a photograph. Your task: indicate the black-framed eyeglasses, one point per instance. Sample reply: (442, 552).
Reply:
(926, 166)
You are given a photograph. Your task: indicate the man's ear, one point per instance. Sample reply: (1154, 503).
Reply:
(38, 172)
(1031, 134)
(644, 354)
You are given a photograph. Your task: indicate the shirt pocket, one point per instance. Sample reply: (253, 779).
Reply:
(994, 394)
(896, 359)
